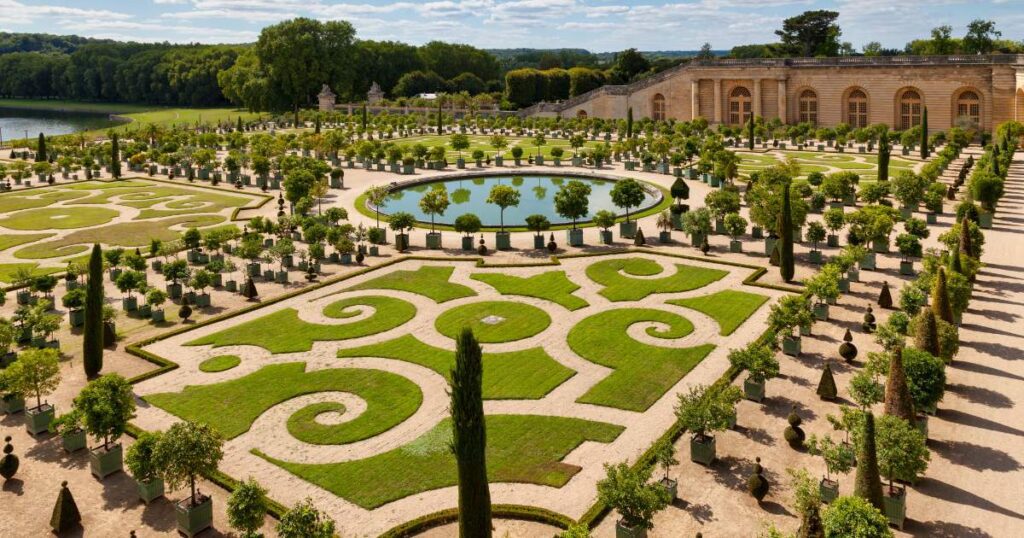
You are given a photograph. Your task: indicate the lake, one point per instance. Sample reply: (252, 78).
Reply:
(15, 122)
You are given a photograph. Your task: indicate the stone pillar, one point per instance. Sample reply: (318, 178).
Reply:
(783, 100)
(694, 99)
(718, 100)
(756, 109)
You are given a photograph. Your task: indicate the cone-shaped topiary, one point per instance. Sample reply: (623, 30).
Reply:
(868, 483)
(773, 258)
(249, 289)
(827, 383)
(885, 297)
(184, 312)
(65, 512)
(955, 261)
(469, 439)
(9, 463)
(705, 246)
(869, 321)
(794, 434)
(926, 335)
(965, 237)
(897, 393)
(847, 350)
(757, 484)
(638, 239)
(940, 297)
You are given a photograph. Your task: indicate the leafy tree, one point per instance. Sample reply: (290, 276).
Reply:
(503, 196)
(187, 450)
(868, 484)
(627, 193)
(107, 404)
(626, 489)
(902, 454)
(247, 507)
(141, 457)
(807, 503)
(853, 516)
(35, 373)
(92, 333)
(757, 359)
(571, 200)
(926, 377)
(981, 36)
(470, 438)
(704, 409)
(434, 202)
(304, 521)
(468, 224)
(812, 33)
(628, 64)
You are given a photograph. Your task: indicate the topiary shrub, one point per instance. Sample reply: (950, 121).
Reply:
(757, 484)
(638, 239)
(847, 350)
(794, 434)
(184, 312)
(885, 297)
(9, 463)
(827, 384)
(65, 512)
(869, 321)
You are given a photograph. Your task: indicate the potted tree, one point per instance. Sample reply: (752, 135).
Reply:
(702, 411)
(572, 201)
(933, 200)
(175, 271)
(698, 225)
(680, 191)
(786, 315)
(247, 508)
(908, 188)
(467, 224)
(626, 194)
(855, 516)
(665, 457)
(35, 373)
(838, 458)
(761, 365)
(107, 404)
(824, 287)
(503, 196)
(376, 198)
(74, 301)
(735, 225)
(626, 490)
(282, 252)
(155, 298)
(11, 401)
(435, 202)
(926, 378)
(185, 451)
(665, 224)
(835, 219)
(142, 462)
(71, 429)
(902, 455)
(604, 219)
(538, 224)
(399, 223)
(201, 280)
(910, 247)
(815, 234)
(556, 155)
(128, 281)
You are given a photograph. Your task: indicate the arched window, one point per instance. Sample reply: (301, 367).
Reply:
(857, 109)
(581, 114)
(809, 107)
(968, 106)
(658, 107)
(910, 109)
(739, 105)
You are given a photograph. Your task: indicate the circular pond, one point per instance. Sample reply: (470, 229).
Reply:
(468, 194)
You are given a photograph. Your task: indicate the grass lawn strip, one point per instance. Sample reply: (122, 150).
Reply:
(284, 332)
(520, 448)
(494, 321)
(528, 374)
(32, 199)
(9, 271)
(552, 286)
(730, 308)
(121, 234)
(219, 363)
(430, 281)
(618, 287)
(232, 406)
(9, 240)
(59, 218)
(643, 373)
(303, 426)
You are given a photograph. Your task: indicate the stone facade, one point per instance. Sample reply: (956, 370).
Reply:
(326, 99)
(375, 95)
(977, 91)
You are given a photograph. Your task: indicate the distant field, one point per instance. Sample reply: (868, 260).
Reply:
(75, 106)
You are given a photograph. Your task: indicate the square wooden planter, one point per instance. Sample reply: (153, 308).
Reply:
(753, 390)
(38, 419)
(194, 519)
(73, 441)
(103, 463)
(150, 490)
(702, 451)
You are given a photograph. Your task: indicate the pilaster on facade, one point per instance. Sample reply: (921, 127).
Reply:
(757, 98)
(718, 100)
(695, 111)
(783, 101)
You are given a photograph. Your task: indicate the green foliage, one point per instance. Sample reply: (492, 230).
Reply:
(854, 516)
(92, 333)
(469, 437)
(704, 410)
(827, 384)
(868, 484)
(304, 521)
(838, 457)
(65, 516)
(897, 395)
(785, 243)
(141, 457)
(926, 377)
(187, 450)
(247, 507)
(757, 359)
(468, 224)
(107, 404)
(626, 490)
(604, 219)
(35, 373)
(902, 454)
(572, 200)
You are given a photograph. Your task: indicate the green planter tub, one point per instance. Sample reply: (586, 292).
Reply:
(791, 346)
(150, 490)
(11, 403)
(575, 237)
(73, 441)
(194, 519)
(622, 531)
(829, 490)
(894, 503)
(702, 451)
(503, 240)
(753, 390)
(104, 463)
(467, 242)
(821, 311)
(38, 419)
(627, 229)
(606, 237)
(434, 240)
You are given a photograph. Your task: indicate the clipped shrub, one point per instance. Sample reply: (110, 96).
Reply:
(827, 384)
(847, 350)
(794, 434)
(757, 484)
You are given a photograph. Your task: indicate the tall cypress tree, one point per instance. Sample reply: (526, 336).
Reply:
(629, 122)
(868, 483)
(940, 295)
(924, 133)
(750, 133)
(41, 149)
(92, 333)
(966, 244)
(440, 117)
(469, 440)
(897, 393)
(115, 157)
(238, 125)
(926, 335)
(786, 264)
(884, 150)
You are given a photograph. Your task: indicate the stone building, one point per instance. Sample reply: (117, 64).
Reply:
(375, 95)
(327, 99)
(981, 91)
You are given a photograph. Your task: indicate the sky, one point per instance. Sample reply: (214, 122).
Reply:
(596, 25)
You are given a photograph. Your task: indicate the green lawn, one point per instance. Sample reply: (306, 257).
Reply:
(643, 373)
(8, 241)
(552, 286)
(520, 449)
(9, 271)
(14, 201)
(219, 363)
(517, 321)
(232, 406)
(430, 281)
(730, 308)
(59, 218)
(619, 287)
(284, 332)
(122, 234)
(304, 427)
(526, 374)
(74, 106)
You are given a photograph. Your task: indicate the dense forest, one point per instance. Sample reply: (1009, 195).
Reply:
(285, 68)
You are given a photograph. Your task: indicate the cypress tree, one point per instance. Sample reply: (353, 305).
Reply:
(41, 149)
(786, 268)
(926, 335)
(629, 122)
(316, 126)
(868, 483)
(750, 133)
(995, 159)
(924, 133)
(115, 157)
(827, 383)
(897, 393)
(966, 243)
(238, 126)
(884, 150)
(940, 295)
(92, 333)
(65, 514)
(885, 296)
(955, 263)
(440, 117)
(469, 440)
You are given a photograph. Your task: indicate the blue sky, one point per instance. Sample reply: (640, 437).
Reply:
(597, 25)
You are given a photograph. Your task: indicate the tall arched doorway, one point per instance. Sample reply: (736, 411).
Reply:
(808, 107)
(739, 105)
(857, 108)
(967, 109)
(658, 107)
(910, 106)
